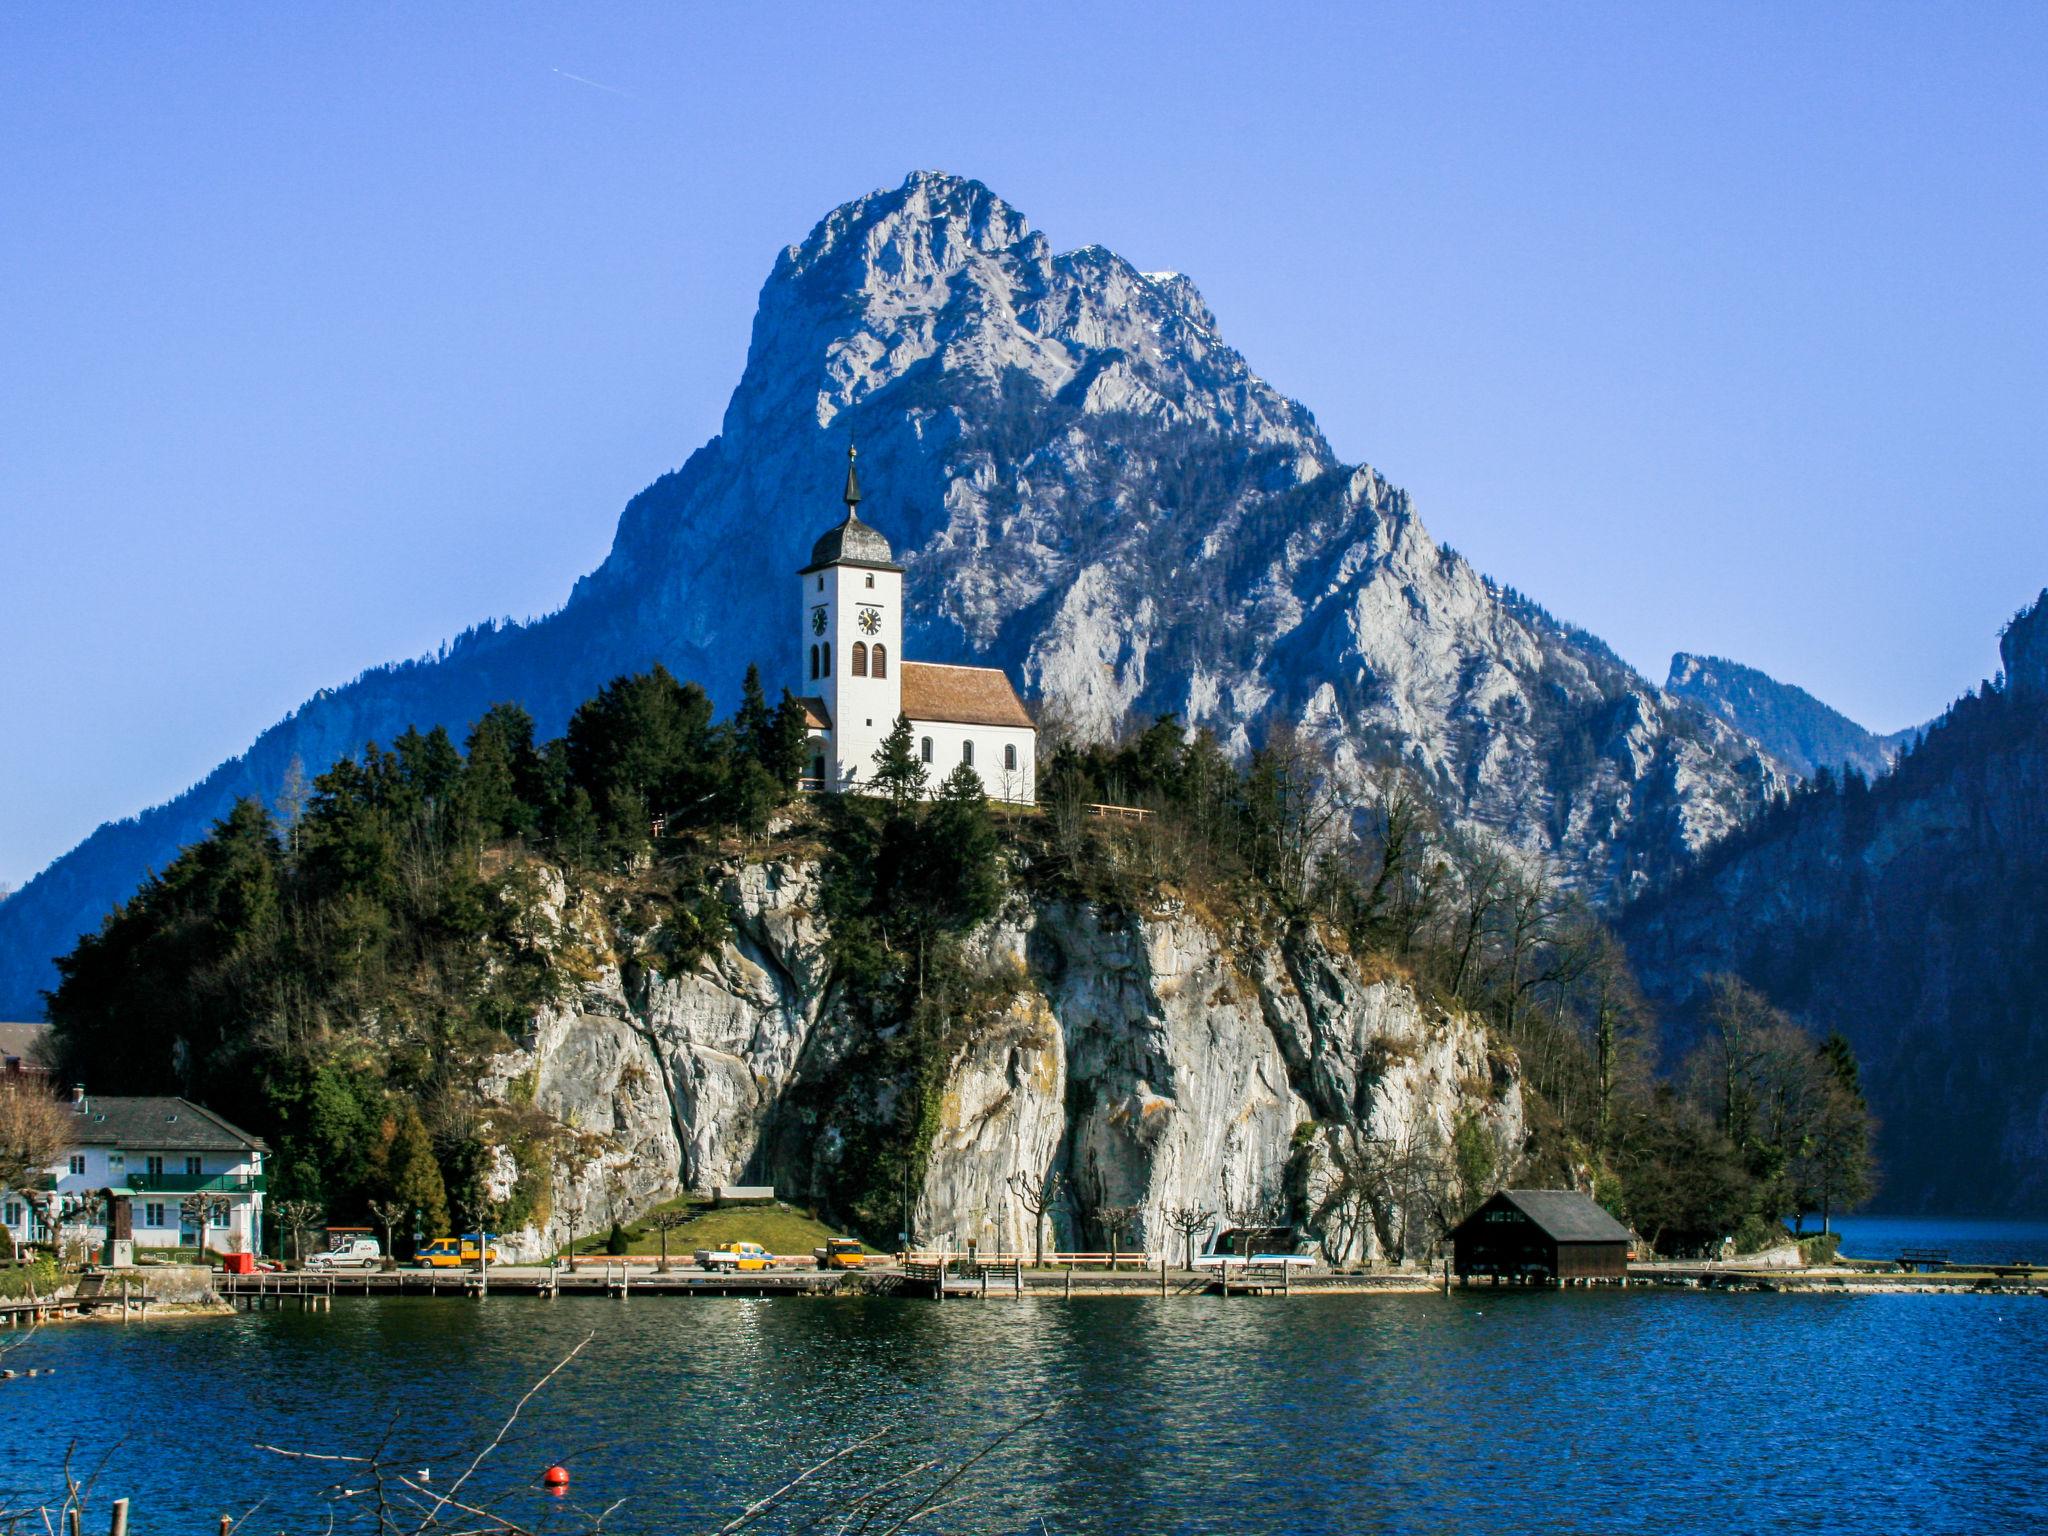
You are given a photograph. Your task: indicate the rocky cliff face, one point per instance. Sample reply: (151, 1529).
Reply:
(1800, 732)
(2023, 648)
(1088, 486)
(1152, 1060)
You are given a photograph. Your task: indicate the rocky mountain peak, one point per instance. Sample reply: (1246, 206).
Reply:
(2024, 650)
(1086, 485)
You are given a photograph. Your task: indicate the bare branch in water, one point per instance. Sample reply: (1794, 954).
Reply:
(503, 1429)
(961, 1471)
(762, 1506)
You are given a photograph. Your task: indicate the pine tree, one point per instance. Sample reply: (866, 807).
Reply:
(753, 727)
(963, 855)
(899, 777)
(415, 1176)
(784, 759)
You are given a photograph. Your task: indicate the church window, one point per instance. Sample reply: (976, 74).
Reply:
(967, 753)
(881, 657)
(1010, 757)
(927, 749)
(871, 578)
(828, 658)
(860, 659)
(814, 661)
(821, 583)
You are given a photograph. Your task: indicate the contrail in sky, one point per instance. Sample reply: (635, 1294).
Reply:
(595, 84)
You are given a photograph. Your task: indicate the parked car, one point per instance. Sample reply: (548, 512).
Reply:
(349, 1253)
(735, 1256)
(452, 1253)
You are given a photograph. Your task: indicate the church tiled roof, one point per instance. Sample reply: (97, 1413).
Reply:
(816, 715)
(961, 695)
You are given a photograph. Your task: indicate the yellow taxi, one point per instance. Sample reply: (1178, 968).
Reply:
(451, 1253)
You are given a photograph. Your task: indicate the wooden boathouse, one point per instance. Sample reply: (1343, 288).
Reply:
(1535, 1236)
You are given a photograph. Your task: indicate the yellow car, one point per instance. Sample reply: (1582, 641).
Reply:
(447, 1253)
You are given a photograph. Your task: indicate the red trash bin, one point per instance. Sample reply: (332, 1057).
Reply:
(239, 1263)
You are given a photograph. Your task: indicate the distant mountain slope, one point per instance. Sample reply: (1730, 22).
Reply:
(1913, 916)
(1087, 485)
(1788, 722)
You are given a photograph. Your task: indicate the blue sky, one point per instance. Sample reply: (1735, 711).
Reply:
(325, 332)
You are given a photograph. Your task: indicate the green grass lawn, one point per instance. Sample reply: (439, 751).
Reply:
(778, 1228)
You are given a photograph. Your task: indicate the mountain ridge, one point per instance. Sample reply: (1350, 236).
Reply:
(1909, 914)
(1800, 731)
(1086, 485)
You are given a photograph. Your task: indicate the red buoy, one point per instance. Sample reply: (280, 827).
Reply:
(555, 1478)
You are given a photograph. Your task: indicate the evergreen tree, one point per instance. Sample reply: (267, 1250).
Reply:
(963, 857)
(502, 784)
(899, 776)
(784, 757)
(753, 725)
(415, 1176)
(645, 743)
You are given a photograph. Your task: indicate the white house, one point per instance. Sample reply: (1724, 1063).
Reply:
(145, 1157)
(856, 682)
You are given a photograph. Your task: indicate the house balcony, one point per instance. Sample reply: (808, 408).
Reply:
(196, 1183)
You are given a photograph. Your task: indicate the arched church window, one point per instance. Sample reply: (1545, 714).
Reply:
(927, 749)
(828, 659)
(1010, 756)
(967, 753)
(814, 661)
(881, 661)
(860, 659)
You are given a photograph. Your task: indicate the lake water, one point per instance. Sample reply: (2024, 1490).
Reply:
(1574, 1411)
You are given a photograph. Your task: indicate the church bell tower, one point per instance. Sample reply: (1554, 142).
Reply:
(850, 643)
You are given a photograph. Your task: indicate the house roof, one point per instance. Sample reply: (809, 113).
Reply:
(25, 1041)
(158, 1124)
(1564, 1214)
(949, 695)
(816, 715)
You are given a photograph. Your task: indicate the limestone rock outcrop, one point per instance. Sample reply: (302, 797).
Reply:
(1153, 1060)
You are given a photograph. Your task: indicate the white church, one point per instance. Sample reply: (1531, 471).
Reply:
(856, 682)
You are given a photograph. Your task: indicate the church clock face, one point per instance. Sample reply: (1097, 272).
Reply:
(817, 621)
(870, 621)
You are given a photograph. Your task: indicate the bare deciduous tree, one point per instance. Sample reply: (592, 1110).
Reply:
(1187, 1220)
(297, 1218)
(1117, 1223)
(666, 1221)
(35, 1130)
(388, 1214)
(1256, 1210)
(1039, 1195)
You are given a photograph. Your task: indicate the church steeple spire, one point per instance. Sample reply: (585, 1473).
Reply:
(852, 480)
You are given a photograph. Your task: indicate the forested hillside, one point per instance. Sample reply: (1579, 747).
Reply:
(1911, 914)
(351, 971)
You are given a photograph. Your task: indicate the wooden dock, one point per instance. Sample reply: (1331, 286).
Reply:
(622, 1282)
